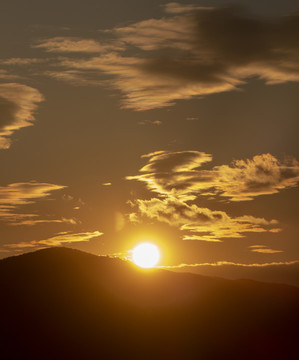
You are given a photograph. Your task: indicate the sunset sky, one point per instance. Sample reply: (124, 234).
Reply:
(174, 123)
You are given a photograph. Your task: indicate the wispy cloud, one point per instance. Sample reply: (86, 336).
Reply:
(63, 44)
(4, 74)
(176, 8)
(177, 174)
(57, 240)
(20, 61)
(32, 220)
(193, 51)
(16, 195)
(263, 249)
(229, 263)
(73, 77)
(17, 105)
(283, 272)
(149, 122)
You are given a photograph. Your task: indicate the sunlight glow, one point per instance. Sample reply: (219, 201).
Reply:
(146, 255)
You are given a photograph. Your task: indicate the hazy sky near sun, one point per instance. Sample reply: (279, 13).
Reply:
(174, 122)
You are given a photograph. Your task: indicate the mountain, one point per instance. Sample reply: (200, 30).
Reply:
(61, 303)
(281, 274)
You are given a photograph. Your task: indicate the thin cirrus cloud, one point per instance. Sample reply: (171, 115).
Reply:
(263, 249)
(30, 220)
(176, 8)
(73, 77)
(149, 122)
(57, 240)
(230, 263)
(4, 74)
(189, 53)
(270, 271)
(21, 61)
(18, 103)
(178, 175)
(16, 195)
(63, 44)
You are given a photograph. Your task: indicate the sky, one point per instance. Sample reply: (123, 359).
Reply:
(169, 122)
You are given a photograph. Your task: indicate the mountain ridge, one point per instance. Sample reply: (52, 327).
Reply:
(77, 305)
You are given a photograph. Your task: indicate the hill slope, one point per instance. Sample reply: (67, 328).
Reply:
(61, 303)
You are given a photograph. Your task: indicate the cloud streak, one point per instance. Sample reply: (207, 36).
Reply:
(263, 249)
(191, 52)
(4, 74)
(15, 195)
(229, 263)
(63, 44)
(21, 61)
(17, 105)
(176, 8)
(283, 272)
(57, 240)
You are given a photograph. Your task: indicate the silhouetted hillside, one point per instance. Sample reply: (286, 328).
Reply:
(61, 303)
(280, 274)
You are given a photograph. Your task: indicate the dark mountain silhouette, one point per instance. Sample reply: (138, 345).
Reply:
(281, 274)
(62, 303)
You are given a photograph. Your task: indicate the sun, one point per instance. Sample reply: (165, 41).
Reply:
(146, 255)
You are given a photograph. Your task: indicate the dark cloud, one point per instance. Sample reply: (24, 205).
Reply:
(192, 52)
(8, 111)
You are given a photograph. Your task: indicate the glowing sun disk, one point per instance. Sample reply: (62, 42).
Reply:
(146, 255)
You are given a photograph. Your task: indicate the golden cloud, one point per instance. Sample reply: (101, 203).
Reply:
(17, 104)
(15, 195)
(177, 174)
(230, 263)
(57, 240)
(178, 179)
(20, 61)
(63, 44)
(73, 77)
(198, 223)
(263, 249)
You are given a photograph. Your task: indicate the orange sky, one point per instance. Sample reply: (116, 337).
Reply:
(175, 123)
